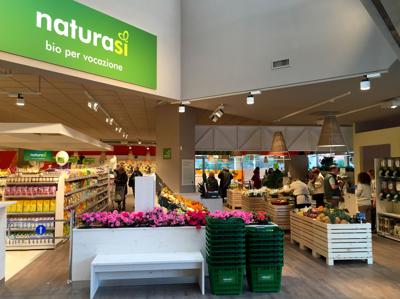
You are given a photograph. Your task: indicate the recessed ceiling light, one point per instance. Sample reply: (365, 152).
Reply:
(365, 84)
(255, 92)
(250, 99)
(181, 108)
(139, 141)
(20, 100)
(147, 148)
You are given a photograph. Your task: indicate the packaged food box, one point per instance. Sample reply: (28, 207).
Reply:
(33, 206)
(20, 206)
(27, 206)
(46, 206)
(52, 205)
(39, 205)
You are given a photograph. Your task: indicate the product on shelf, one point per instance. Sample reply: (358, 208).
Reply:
(327, 215)
(256, 192)
(173, 201)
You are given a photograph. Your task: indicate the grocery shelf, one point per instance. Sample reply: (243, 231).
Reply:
(30, 183)
(93, 205)
(389, 214)
(79, 190)
(32, 214)
(105, 190)
(103, 208)
(79, 202)
(101, 185)
(30, 247)
(14, 229)
(29, 196)
(80, 178)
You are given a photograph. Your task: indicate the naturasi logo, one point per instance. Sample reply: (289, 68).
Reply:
(72, 30)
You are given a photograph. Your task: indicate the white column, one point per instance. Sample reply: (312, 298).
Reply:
(3, 227)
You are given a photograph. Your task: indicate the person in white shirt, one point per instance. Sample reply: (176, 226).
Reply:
(301, 193)
(363, 194)
(317, 185)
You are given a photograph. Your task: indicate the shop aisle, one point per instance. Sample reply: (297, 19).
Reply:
(18, 260)
(303, 277)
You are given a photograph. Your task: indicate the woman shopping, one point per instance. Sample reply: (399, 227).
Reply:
(363, 195)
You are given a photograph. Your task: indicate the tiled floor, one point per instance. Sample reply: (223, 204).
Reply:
(303, 277)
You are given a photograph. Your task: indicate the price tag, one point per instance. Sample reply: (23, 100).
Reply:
(40, 229)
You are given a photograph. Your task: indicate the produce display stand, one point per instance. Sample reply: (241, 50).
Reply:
(280, 214)
(333, 241)
(234, 199)
(253, 204)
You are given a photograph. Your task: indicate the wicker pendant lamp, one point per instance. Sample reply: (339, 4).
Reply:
(278, 143)
(331, 136)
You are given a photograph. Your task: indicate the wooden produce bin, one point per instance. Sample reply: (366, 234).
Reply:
(280, 214)
(234, 199)
(333, 241)
(254, 204)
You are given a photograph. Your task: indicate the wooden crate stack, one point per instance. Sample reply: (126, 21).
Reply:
(254, 204)
(234, 199)
(280, 214)
(333, 241)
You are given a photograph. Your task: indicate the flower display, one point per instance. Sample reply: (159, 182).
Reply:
(161, 217)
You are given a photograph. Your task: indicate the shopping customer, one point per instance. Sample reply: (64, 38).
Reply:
(300, 191)
(332, 190)
(363, 195)
(212, 183)
(136, 172)
(256, 179)
(317, 186)
(225, 178)
(371, 173)
(121, 178)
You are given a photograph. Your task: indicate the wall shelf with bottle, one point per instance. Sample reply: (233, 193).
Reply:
(387, 172)
(47, 198)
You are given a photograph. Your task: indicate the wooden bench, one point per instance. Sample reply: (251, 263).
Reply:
(144, 265)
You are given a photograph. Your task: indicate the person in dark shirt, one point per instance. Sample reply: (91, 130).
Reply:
(256, 180)
(121, 179)
(212, 183)
(225, 181)
(131, 182)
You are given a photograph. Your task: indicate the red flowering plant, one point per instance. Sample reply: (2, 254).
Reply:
(196, 218)
(261, 218)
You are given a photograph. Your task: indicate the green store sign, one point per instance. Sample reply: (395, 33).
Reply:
(31, 155)
(72, 35)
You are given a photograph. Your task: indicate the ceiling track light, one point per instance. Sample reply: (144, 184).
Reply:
(250, 99)
(119, 130)
(93, 105)
(217, 114)
(365, 84)
(20, 100)
(181, 108)
(116, 129)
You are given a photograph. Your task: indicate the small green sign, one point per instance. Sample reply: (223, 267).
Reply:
(70, 34)
(167, 153)
(32, 155)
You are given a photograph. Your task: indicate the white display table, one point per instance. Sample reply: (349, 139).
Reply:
(87, 243)
(3, 228)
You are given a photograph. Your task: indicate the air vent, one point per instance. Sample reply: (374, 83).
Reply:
(278, 64)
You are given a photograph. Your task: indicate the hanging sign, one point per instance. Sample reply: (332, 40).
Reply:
(32, 155)
(62, 158)
(70, 34)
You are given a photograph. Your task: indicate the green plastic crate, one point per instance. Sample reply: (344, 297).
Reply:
(226, 280)
(264, 278)
(229, 221)
(225, 252)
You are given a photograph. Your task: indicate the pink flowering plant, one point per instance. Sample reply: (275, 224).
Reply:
(159, 217)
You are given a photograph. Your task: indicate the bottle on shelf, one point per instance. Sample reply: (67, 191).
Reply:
(396, 171)
(383, 168)
(389, 169)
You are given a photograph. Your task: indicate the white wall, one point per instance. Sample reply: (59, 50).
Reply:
(161, 18)
(228, 45)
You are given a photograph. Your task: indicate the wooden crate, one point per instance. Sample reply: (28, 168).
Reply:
(280, 215)
(333, 241)
(234, 199)
(254, 204)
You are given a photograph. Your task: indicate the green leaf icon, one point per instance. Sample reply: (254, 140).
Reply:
(124, 36)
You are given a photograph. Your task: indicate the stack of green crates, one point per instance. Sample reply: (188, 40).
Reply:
(264, 254)
(226, 255)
